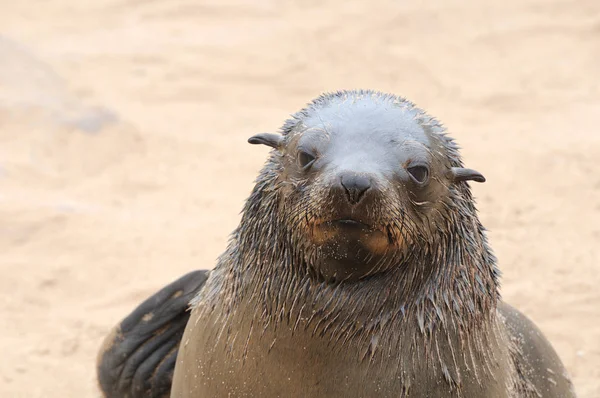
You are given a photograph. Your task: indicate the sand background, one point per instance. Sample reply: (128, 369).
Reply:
(124, 162)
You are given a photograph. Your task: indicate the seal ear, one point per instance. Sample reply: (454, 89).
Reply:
(272, 140)
(462, 174)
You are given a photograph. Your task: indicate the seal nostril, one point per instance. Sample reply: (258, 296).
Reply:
(355, 185)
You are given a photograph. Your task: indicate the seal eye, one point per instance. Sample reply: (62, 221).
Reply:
(419, 173)
(305, 160)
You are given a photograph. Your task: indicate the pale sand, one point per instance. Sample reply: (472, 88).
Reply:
(124, 162)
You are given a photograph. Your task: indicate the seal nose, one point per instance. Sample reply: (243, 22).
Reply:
(355, 186)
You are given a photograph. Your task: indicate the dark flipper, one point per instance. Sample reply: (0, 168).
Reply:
(138, 358)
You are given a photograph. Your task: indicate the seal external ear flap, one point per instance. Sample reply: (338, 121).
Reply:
(462, 174)
(272, 140)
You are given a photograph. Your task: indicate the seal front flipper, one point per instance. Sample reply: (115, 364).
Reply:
(138, 358)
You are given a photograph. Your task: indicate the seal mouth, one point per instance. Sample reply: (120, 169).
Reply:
(348, 223)
(349, 249)
(350, 226)
(354, 233)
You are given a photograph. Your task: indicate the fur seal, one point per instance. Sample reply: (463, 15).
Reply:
(359, 269)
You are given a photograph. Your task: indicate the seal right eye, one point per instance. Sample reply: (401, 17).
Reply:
(305, 159)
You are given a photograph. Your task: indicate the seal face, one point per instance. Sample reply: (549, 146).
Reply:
(362, 172)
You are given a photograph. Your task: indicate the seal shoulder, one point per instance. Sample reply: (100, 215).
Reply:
(540, 370)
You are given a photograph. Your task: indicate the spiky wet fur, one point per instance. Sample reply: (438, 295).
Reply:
(438, 289)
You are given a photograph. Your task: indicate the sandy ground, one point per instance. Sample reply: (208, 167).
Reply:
(124, 162)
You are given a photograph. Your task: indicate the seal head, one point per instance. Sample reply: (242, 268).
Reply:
(360, 174)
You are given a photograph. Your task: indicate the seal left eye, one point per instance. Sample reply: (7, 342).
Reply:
(305, 160)
(419, 173)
